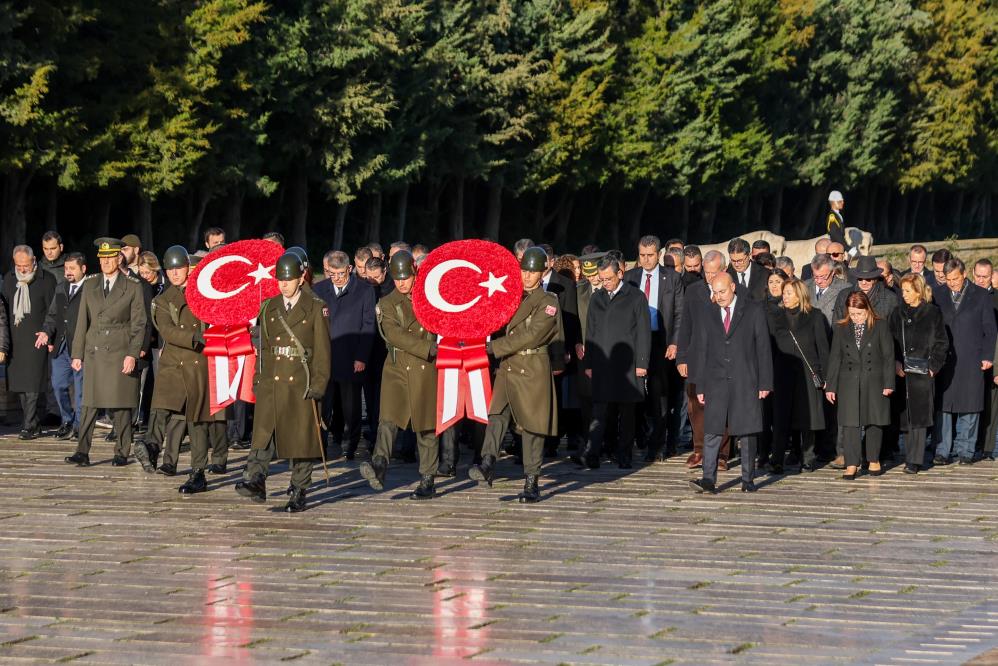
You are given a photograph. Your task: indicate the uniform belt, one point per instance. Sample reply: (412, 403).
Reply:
(535, 350)
(289, 351)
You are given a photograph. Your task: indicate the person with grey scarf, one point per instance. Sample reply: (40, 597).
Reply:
(28, 292)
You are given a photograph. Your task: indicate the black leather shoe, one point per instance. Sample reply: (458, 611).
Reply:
(167, 470)
(485, 472)
(79, 459)
(296, 503)
(350, 452)
(119, 461)
(64, 432)
(910, 469)
(966, 461)
(256, 489)
(153, 453)
(940, 461)
(702, 486)
(749, 487)
(592, 462)
(111, 436)
(808, 468)
(776, 468)
(29, 434)
(530, 493)
(425, 490)
(239, 446)
(196, 483)
(216, 469)
(447, 471)
(374, 472)
(76, 435)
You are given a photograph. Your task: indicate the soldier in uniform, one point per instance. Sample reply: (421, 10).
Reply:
(524, 388)
(182, 384)
(408, 381)
(111, 330)
(835, 226)
(585, 289)
(293, 347)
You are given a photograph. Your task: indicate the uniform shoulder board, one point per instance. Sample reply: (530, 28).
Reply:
(88, 276)
(131, 277)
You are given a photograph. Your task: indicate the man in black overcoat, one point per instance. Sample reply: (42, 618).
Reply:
(663, 293)
(350, 301)
(734, 374)
(618, 343)
(561, 351)
(745, 273)
(60, 324)
(28, 291)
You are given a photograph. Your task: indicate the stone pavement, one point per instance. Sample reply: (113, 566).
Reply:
(110, 565)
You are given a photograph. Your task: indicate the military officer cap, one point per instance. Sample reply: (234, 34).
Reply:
(176, 257)
(108, 247)
(401, 266)
(302, 254)
(835, 195)
(289, 267)
(590, 263)
(535, 260)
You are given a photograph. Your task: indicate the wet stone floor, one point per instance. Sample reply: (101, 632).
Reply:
(110, 565)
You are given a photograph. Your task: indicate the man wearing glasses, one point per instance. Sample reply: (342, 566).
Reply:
(916, 264)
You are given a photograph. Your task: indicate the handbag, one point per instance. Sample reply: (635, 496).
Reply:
(915, 365)
(818, 382)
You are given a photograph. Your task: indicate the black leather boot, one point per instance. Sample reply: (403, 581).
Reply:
(425, 490)
(142, 455)
(196, 483)
(448, 455)
(255, 489)
(530, 492)
(485, 472)
(296, 503)
(154, 451)
(374, 472)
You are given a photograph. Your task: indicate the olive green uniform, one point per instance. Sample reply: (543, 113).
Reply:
(408, 381)
(294, 361)
(109, 328)
(524, 386)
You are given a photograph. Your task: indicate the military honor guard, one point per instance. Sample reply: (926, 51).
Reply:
(293, 348)
(524, 391)
(408, 381)
(110, 332)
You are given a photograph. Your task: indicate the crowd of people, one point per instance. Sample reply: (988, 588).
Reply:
(847, 362)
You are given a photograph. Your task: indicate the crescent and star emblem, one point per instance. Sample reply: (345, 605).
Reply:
(206, 287)
(433, 278)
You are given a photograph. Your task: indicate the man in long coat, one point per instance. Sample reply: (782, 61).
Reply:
(111, 329)
(968, 314)
(524, 386)
(28, 291)
(408, 381)
(618, 343)
(734, 374)
(292, 376)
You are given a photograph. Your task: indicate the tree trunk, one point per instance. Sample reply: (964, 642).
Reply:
(493, 213)
(805, 227)
(915, 210)
(634, 228)
(341, 219)
(457, 210)
(614, 222)
(299, 205)
(563, 219)
(143, 221)
(402, 210)
(775, 223)
(52, 205)
(195, 215)
(589, 235)
(234, 212)
(14, 219)
(957, 222)
(899, 228)
(436, 191)
(708, 215)
(102, 217)
(374, 218)
(755, 210)
(883, 214)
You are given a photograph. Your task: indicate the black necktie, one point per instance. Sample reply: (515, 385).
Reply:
(287, 306)
(107, 288)
(72, 291)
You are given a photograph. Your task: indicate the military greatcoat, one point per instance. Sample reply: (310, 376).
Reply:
(409, 377)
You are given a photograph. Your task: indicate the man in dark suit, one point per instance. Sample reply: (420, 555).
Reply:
(28, 291)
(350, 301)
(618, 344)
(916, 264)
(588, 286)
(745, 273)
(562, 351)
(820, 247)
(663, 294)
(60, 323)
(734, 374)
(376, 274)
(988, 428)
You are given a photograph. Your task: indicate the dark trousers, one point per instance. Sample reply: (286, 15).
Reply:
(656, 404)
(696, 425)
(63, 386)
(236, 421)
(344, 410)
(198, 432)
(914, 446)
(712, 447)
(852, 444)
(551, 443)
(533, 444)
(987, 427)
(29, 410)
(258, 466)
(426, 442)
(603, 414)
(122, 420)
(372, 399)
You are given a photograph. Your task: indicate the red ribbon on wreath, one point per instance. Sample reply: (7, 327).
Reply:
(465, 291)
(231, 362)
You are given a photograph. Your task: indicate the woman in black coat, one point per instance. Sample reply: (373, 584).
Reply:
(919, 332)
(801, 354)
(774, 299)
(860, 381)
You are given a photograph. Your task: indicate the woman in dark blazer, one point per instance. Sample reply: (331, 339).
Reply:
(919, 332)
(860, 381)
(802, 352)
